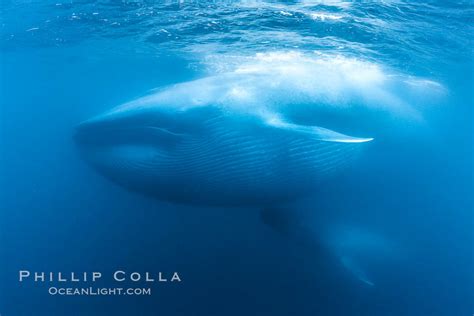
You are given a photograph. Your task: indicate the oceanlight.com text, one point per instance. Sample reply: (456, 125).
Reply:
(98, 291)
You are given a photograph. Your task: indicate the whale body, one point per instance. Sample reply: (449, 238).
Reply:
(205, 156)
(259, 134)
(255, 136)
(224, 140)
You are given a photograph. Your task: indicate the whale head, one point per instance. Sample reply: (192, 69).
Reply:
(130, 146)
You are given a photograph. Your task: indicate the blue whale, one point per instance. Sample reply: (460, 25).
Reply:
(253, 136)
(190, 144)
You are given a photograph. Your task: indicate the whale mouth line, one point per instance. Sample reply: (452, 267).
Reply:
(133, 127)
(91, 135)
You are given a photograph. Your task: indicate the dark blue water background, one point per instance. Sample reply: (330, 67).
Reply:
(64, 62)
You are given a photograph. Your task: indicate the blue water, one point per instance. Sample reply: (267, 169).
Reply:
(410, 193)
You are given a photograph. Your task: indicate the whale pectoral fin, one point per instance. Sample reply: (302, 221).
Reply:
(328, 135)
(318, 133)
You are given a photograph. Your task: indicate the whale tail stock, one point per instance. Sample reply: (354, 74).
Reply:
(288, 223)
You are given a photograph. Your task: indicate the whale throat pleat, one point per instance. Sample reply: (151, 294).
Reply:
(229, 165)
(226, 164)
